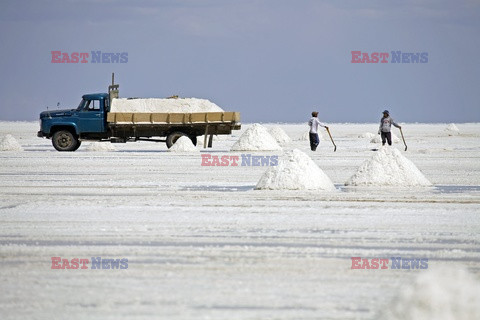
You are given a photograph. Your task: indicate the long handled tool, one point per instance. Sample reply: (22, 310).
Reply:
(401, 132)
(335, 146)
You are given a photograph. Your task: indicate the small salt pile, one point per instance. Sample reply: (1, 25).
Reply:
(101, 147)
(452, 130)
(388, 167)
(182, 105)
(367, 135)
(296, 171)
(378, 139)
(279, 135)
(183, 144)
(441, 294)
(256, 138)
(9, 143)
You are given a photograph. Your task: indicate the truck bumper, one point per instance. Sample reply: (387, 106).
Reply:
(40, 134)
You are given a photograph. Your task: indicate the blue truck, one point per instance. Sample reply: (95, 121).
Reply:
(92, 120)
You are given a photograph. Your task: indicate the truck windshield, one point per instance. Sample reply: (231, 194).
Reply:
(89, 105)
(82, 104)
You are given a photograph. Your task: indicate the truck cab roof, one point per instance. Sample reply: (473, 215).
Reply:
(95, 96)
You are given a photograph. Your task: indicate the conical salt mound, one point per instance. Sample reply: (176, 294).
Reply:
(441, 294)
(295, 172)
(9, 143)
(183, 144)
(388, 167)
(280, 135)
(256, 138)
(452, 130)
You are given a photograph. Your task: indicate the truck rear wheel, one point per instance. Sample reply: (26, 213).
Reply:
(64, 140)
(173, 137)
(194, 140)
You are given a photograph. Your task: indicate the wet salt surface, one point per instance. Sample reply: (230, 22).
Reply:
(340, 187)
(439, 189)
(457, 189)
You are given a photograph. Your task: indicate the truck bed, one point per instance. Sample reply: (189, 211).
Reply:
(174, 118)
(146, 125)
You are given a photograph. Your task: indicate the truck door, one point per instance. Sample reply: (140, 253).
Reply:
(90, 118)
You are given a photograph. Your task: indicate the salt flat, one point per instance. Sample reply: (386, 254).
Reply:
(201, 243)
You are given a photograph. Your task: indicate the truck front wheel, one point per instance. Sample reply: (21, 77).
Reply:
(173, 137)
(64, 140)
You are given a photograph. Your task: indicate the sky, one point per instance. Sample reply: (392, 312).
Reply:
(271, 60)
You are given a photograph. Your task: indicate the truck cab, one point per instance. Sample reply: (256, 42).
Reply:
(67, 127)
